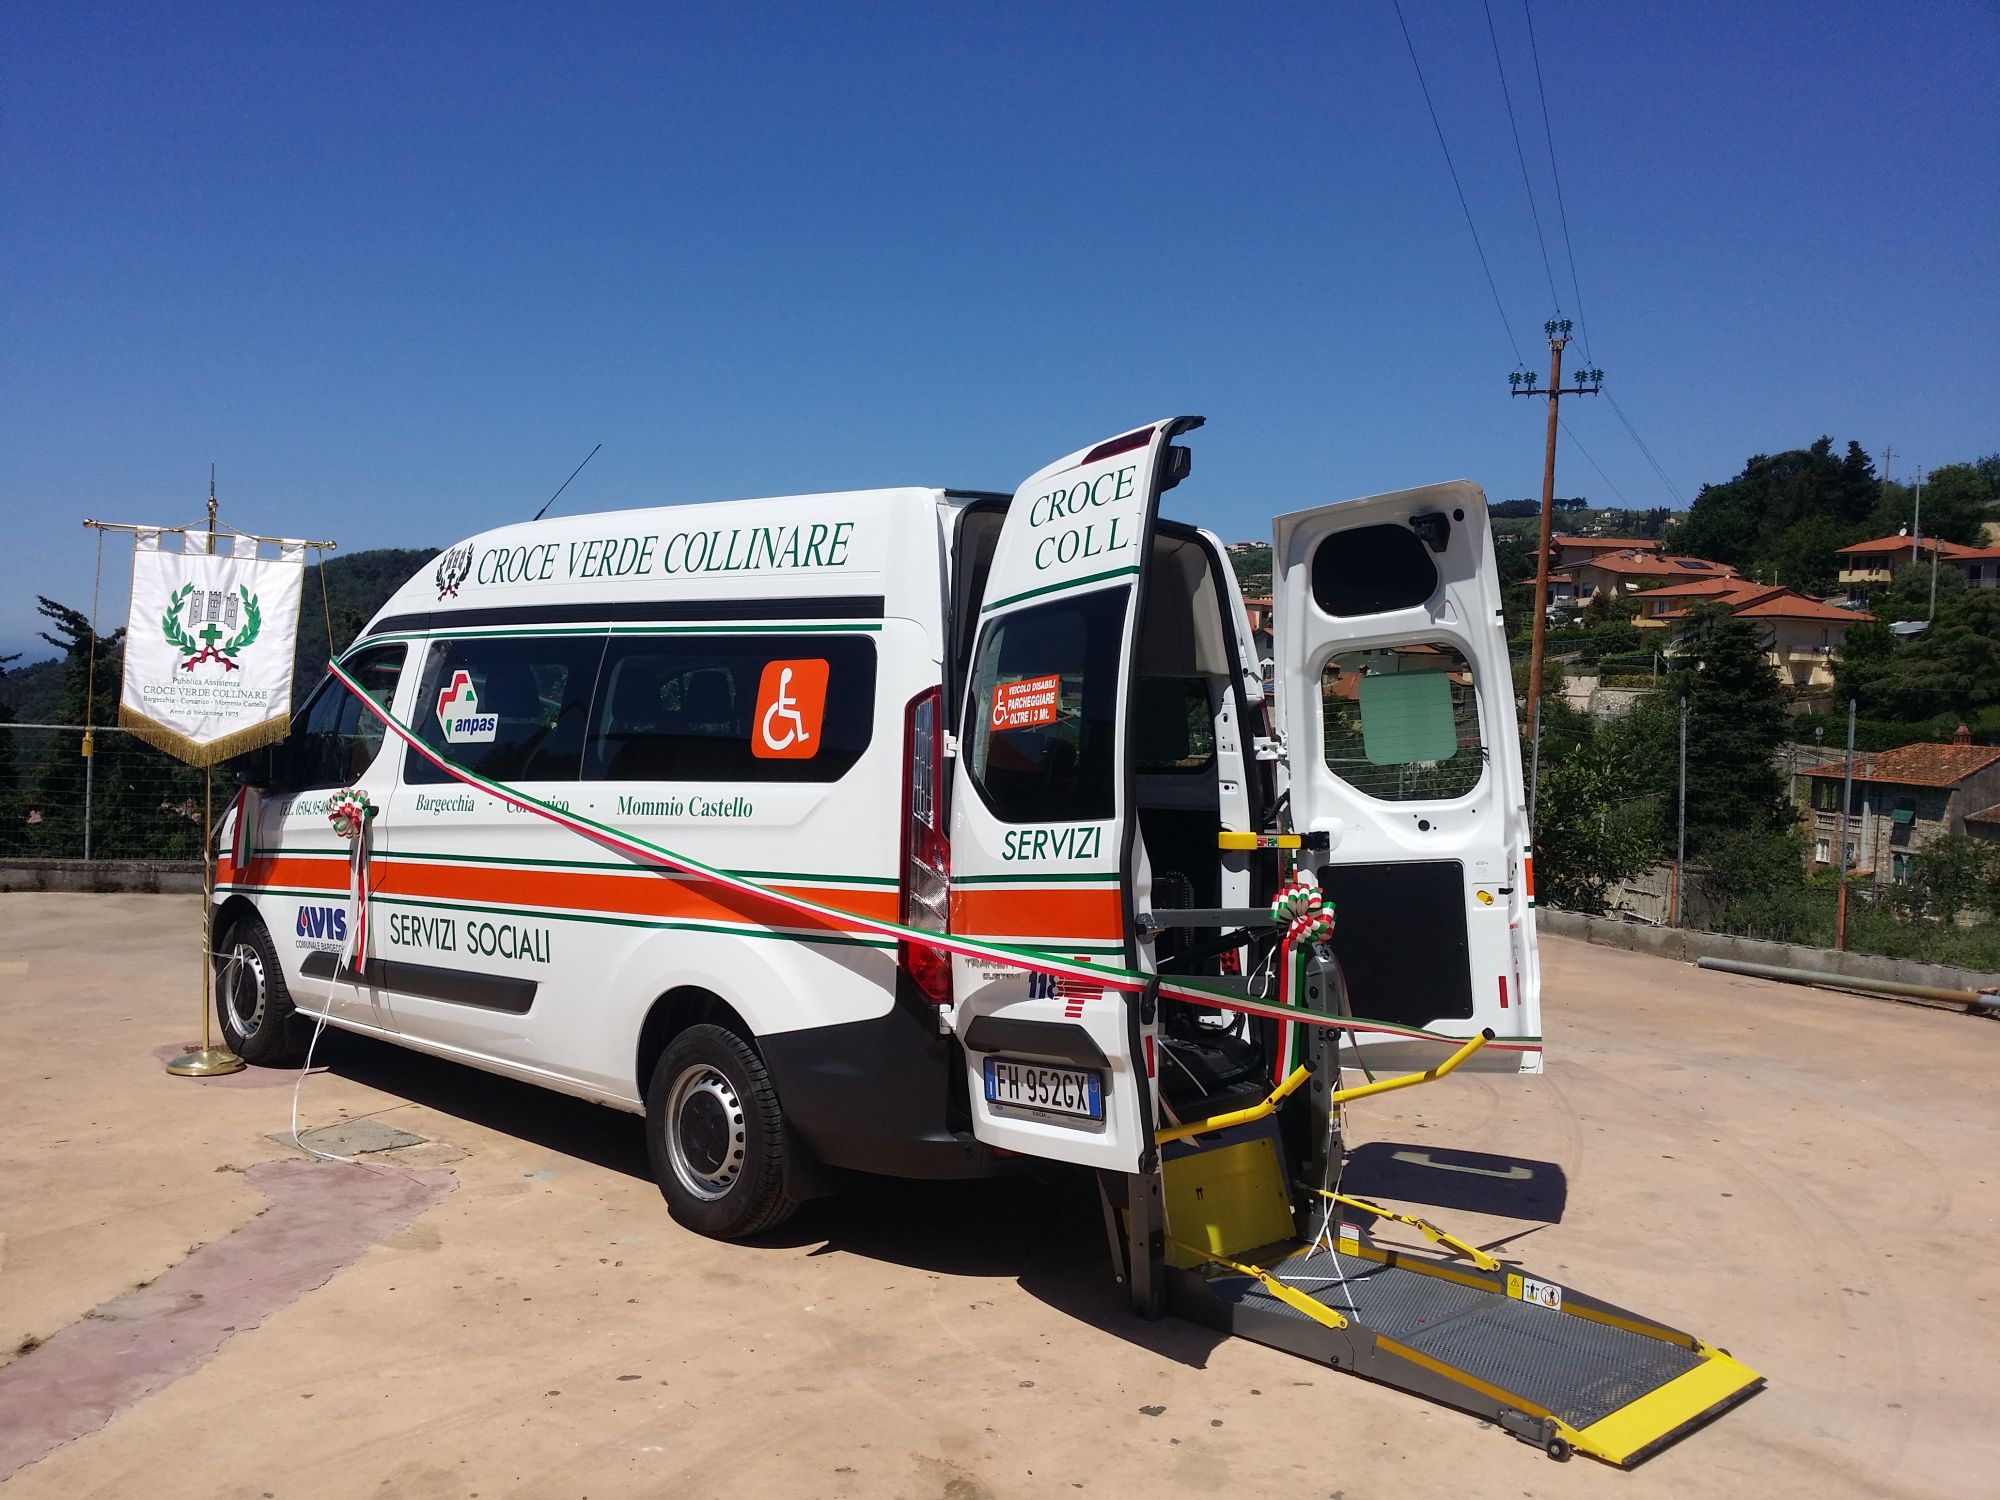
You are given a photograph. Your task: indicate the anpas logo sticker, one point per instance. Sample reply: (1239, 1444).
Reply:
(1022, 705)
(791, 701)
(459, 715)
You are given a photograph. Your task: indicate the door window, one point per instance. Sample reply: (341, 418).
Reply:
(748, 708)
(512, 708)
(1042, 715)
(1402, 722)
(335, 739)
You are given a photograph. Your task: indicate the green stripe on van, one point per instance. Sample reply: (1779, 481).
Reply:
(840, 940)
(1056, 588)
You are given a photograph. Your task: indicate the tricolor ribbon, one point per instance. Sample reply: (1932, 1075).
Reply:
(349, 812)
(1182, 987)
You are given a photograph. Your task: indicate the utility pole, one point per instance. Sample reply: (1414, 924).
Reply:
(1932, 614)
(1846, 801)
(1588, 383)
(1681, 821)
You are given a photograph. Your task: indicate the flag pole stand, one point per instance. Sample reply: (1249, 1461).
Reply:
(207, 1061)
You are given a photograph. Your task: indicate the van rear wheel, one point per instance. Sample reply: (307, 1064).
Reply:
(252, 1002)
(716, 1135)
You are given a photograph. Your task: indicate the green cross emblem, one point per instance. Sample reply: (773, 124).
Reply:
(211, 634)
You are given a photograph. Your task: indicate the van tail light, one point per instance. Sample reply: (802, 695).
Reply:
(926, 876)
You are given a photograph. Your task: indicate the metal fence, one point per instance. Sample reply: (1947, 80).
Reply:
(124, 801)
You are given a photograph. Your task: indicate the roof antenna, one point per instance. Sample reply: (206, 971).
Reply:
(565, 484)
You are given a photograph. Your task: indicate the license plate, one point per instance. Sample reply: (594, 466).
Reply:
(1056, 1091)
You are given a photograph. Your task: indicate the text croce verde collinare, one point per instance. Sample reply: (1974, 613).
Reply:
(734, 549)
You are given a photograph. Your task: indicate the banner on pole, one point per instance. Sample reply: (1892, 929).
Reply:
(208, 645)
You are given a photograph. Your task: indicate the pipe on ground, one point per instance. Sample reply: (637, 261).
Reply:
(1976, 1002)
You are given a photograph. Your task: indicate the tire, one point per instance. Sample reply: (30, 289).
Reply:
(716, 1135)
(252, 1004)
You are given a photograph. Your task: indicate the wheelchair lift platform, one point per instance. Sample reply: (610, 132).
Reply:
(1225, 1237)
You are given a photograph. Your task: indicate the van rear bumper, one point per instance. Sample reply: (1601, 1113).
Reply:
(885, 1095)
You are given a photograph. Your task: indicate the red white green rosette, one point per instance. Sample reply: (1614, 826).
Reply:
(349, 812)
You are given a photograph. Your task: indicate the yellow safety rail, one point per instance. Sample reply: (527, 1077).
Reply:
(1480, 1258)
(1245, 1116)
(1269, 1106)
(1228, 839)
(1291, 1296)
(1411, 1080)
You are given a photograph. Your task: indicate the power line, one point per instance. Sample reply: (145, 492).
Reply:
(1555, 298)
(1491, 284)
(1582, 323)
(1568, 433)
(1671, 488)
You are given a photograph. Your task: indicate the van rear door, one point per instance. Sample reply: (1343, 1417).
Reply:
(1396, 700)
(1042, 827)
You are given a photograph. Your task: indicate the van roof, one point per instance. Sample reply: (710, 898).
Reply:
(808, 547)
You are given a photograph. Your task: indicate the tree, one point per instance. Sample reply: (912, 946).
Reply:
(144, 803)
(1942, 677)
(1743, 521)
(1953, 874)
(10, 792)
(1958, 499)
(1591, 832)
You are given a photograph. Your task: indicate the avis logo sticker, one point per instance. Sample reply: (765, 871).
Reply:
(459, 716)
(791, 702)
(320, 928)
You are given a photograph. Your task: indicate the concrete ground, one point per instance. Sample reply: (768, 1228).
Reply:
(1807, 1179)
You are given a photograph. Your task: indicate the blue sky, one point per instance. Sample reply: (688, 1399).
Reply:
(395, 269)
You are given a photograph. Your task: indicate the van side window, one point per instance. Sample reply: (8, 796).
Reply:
(1041, 717)
(741, 707)
(1402, 722)
(336, 739)
(509, 707)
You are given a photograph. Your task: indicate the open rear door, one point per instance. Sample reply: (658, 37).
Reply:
(1043, 844)
(1397, 704)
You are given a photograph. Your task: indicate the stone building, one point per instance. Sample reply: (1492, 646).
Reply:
(1903, 799)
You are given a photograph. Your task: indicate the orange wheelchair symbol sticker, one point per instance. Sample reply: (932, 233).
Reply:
(791, 702)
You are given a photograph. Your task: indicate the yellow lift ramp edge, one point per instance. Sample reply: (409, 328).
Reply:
(1541, 1360)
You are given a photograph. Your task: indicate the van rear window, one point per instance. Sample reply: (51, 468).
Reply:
(741, 707)
(1402, 722)
(1042, 716)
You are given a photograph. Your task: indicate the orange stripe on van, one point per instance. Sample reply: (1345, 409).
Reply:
(1063, 910)
(657, 896)
(649, 895)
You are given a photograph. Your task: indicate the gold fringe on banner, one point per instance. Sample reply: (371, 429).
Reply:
(198, 753)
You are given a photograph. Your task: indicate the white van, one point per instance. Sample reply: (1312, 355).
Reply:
(1035, 720)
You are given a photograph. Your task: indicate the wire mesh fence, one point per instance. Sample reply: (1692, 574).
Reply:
(124, 801)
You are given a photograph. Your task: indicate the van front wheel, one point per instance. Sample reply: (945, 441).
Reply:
(716, 1135)
(252, 1001)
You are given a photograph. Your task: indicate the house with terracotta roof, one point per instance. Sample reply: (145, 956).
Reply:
(1978, 566)
(1876, 561)
(1903, 800)
(1624, 571)
(1806, 634)
(1575, 549)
